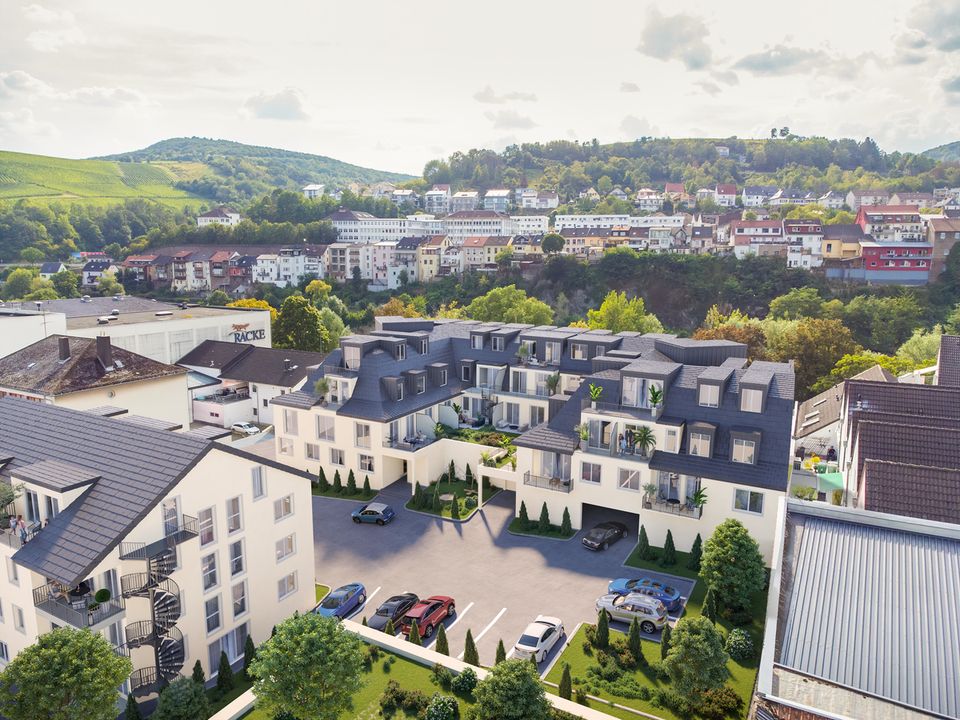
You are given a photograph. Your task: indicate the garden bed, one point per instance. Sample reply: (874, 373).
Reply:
(465, 494)
(519, 528)
(342, 488)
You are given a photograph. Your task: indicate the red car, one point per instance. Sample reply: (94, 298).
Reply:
(428, 613)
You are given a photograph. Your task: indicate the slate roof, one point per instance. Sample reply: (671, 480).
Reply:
(869, 602)
(37, 368)
(919, 491)
(824, 409)
(214, 354)
(49, 268)
(851, 232)
(948, 362)
(56, 475)
(249, 363)
(137, 467)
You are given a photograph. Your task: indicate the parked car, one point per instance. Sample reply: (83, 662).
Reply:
(539, 638)
(604, 535)
(379, 513)
(428, 614)
(393, 608)
(342, 601)
(666, 594)
(245, 428)
(650, 612)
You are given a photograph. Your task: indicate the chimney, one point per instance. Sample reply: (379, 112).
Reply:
(64, 345)
(105, 352)
(286, 365)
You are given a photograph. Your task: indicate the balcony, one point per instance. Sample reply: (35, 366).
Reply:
(409, 444)
(340, 371)
(76, 607)
(673, 506)
(548, 483)
(621, 410)
(186, 529)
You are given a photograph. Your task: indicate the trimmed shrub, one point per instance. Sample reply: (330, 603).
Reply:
(414, 635)
(602, 640)
(322, 481)
(566, 686)
(669, 551)
(665, 641)
(455, 508)
(524, 518)
(644, 551)
(366, 485)
(565, 526)
(543, 525)
(337, 483)
(452, 472)
(441, 645)
(351, 483)
(739, 645)
(633, 640)
(442, 707)
(501, 653)
(470, 655)
(198, 675)
(696, 552)
(468, 476)
(225, 680)
(249, 653)
(470, 503)
(465, 682)
(719, 703)
(389, 628)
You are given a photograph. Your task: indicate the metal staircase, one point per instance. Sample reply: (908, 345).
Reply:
(159, 632)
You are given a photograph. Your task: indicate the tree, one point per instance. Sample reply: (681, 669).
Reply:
(257, 305)
(441, 645)
(669, 551)
(351, 483)
(225, 679)
(952, 326)
(710, 605)
(414, 635)
(17, 284)
(218, 298)
(334, 326)
(183, 699)
(299, 326)
(65, 674)
(66, 283)
(616, 314)
(799, 303)
(470, 654)
(109, 285)
(509, 304)
(198, 675)
(337, 483)
(501, 653)
(633, 638)
(366, 485)
(696, 660)
(522, 515)
(395, 307)
(566, 685)
(318, 291)
(249, 653)
(32, 255)
(566, 528)
(133, 709)
(603, 630)
(552, 243)
(442, 707)
(922, 347)
(732, 565)
(816, 344)
(389, 629)
(883, 324)
(511, 691)
(696, 552)
(665, 641)
(543, 524)
(644, 551)
(322, 483)
(750, 334)
(311, 668)
(856, 363)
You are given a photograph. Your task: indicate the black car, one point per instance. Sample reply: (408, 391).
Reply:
(393, 608)
(604, 535)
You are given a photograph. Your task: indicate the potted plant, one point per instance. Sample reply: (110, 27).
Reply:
(485, 459)
(645, 440)
(699, 498)
(583, 430)
(553, 381)
(595, 392)
(649, 493)
(656, 397)
(321, 387)
(459, 411)
(523, 352)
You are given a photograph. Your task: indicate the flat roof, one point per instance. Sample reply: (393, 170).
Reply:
(133, 318)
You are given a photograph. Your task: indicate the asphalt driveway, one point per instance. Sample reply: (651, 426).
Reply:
(500, 582)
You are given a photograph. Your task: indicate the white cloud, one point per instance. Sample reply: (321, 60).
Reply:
(676, 37)
(59, 29)
(637, 127)
(510, 119)
(629, 87)
(938, 21)
(488, 96)
(24, 124)
(782, 60)
(107, 96)
(18, 82)
(288, 104)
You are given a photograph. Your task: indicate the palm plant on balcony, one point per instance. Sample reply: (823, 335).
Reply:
(699, 498)
(552, 382)
(656, 396)
(645, 440)
(523, 352)
(321, 387)
(649, 493)
(596, 391)
(583, 431)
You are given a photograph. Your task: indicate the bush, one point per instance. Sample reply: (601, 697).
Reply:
(392, 698)
(603, 631)
(524, 518)
(442, 676)
(442, 707)
(665, 641)
(566, 688)
(719, 703)
(543, 524)
(644, 551)
(465, 682)
(225, 681)
(455, 508)
(739, 616)
(468, 476)
(102, 595)
(739, 645)
(696, 552)
(566, 528)
(322, 481)
(591, 633)
(415, 702)
(337, 483)
(366, 485)
(580, 695)
(470, 503)
(588, 646)
(672, 701)
(669, 551)
(351, 484)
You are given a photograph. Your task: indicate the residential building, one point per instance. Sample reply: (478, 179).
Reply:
(891, 223)
(340, 259)
(462, 224)
(531, 199)
(22, 326)
(531, 224)
(676, 193)
(49, 269)
(403, 197)
(899, 263)
(917, 199)
(313, 191)
(437, 200)
(701, 238)
(562, 222)
(362, 227)
(197, 544)
(842, 241)
(93, 270)
(648, 200)
(746, 235)
(84, 373)
(831, 200)
(528, 247)
(137, 267)
(220, 270)
(722, 150)
(429, 257)
(723, 425)
(942, 235)
(497, 199)
(807, 237)
(465, 200)
(725, 195)
(245, 379)
(858, 198)
(240, 272)
(618, 193)
(480, 253)
(591, 195)
(787, 196)
(380, 190)
(757, 195)
(219, 216)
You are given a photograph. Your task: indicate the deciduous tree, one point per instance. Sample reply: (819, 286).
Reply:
(511, 691)
(299, 326)
(183, 699)
(618, 313)
(696, 660)
(732, 565)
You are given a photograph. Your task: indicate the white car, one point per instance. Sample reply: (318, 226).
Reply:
(539, 638)
(245, 428)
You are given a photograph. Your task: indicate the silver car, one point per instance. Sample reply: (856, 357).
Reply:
(649, 612)
(539, 638)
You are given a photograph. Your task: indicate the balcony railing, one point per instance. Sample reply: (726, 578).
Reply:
(676, 507)
(548, 483)
(186, 529)
(409, 444)
(77, 610)
(630, 410)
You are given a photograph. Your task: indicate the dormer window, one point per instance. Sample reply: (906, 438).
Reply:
(399, 390)
(476, 342)
(401, 352)
(751, 400)
(700, 444)
(551, 351)
(709, 395)
(424, 346)
(496, 343)
(465, 373)
(578, 351)
(744, 451)
(443, 377)
(351, 357)
(421, 385)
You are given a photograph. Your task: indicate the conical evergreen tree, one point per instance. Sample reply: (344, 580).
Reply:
(710, 606)
(198, 676)
(225, 681)
(351, 483)
(669, 551)
(133, 709)
(665, 641)
(696, 552)
(633, 638)
(566, 686)
(389, 629)
(322, 481)
(441, 645)
(566, 528)
(366, 485)
(543, 525)
(524, 518)
(414, 635)
(470, 655)
(337, 483)
(501, 653)
(603, 630)
(249, 653)
(644, 551)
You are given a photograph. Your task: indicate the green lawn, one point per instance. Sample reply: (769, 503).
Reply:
(216, 705)
(366, 703)
(517, 528)
(322, 591)
(459, 489)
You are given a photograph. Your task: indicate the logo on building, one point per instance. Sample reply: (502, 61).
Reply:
(242, 333)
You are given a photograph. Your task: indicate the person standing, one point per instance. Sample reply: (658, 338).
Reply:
(22, 528)
(13, 524)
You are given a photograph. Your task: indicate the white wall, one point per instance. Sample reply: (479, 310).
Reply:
(18, 331)
(164, 398)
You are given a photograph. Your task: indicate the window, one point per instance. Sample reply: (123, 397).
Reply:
(401, 352)
(351, 357)
(286, 546)
(751, 400)
(628, 479)
(236, 558)
(362, 433)
(208, 571)
(578, 351)
(286, 585)
(476, 342)
(744, 451)
(312, 451)
(286, 446)
(366, 463)
(238, 594)
(290, 421)
(537, 416)
(424, 347)
(325, 428)
(465, 373)
(259, 484)
(551, 351)
(233, 515)
(671, 444)
(709, 395)
(700, 444)
(212, 610)
(443, 377)
(18, 621)
(336, 456)
(421, 384)
(590, 473)
(53, 507)
(512, 414)
(207, 530)
(748, 501)
(32, 506)
(496, 343)
(283, 507)
(4, 652)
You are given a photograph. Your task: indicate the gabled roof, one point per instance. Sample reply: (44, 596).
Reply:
(249, 363)
(219, 212)
(919, 491)
(343, 214)
(824, 409)
(948, 362)
(49, 268)
(97, 265)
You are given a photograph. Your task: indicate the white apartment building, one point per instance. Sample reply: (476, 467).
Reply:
(805, 241)
(648, 200)
(757, 195)
(174, 547)
(831, 200)
(219, 216)
(437, 200)
(313, 191)
(530, 199)
(530, 224)
(362, 227)
(463, 224)
(497, 199)
(606, 222)
(465, 200)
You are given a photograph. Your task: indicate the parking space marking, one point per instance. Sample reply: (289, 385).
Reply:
(484, 631)
(460, 614)
(370, 596)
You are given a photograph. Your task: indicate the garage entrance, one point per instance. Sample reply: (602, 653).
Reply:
(593, 514)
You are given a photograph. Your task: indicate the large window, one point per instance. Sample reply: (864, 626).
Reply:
(207, 530)
(238, 594)
(709, 395)
(751, 400)
(259, 483)
(496, 343)
(18, 620)
(671, 441)
(290, 421)
(443, 377)
(578, 351)
(399, 394)
(325, 428)
(208, 570)
(401, 352)
(312, 451)
(512, 414)
(537, 416)
(518, 381)
(286, 446)
(234, 521)
(286, 585)
(362, 434)
(748, 501)
(212, 611)
(590, 473)
(286, 546)
(551, 351)
(283, 507)
(628, 479)
(744, 451)
(476, 342)
(699, 444)
(366, 463)
(351, 357)
(336, 456)
(421, 383)
(236, 558)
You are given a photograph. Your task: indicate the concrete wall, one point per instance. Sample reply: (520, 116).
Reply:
(19, 330)
(163, 398)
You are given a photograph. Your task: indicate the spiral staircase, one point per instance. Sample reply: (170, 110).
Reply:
(159, 632)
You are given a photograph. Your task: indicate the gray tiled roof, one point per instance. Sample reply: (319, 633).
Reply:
(824, 409)
(249, 363)
(137, 467)
(915, 445)
(209, 432)
(56, 475)
(930, 493)
(870, 603)
(106, 410)
(948, 362)
(153, 423)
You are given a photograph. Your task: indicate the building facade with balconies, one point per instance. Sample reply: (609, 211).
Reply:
(173, 546)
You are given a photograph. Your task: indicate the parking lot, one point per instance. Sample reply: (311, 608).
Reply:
(500, 582)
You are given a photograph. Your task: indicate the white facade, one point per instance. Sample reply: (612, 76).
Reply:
(437, 200)
(609, 221)
(530, 224)
(465, 200)
(497, 200)
(19, 328)
(313, 191)
(219, 216)
(479, 223)
(648, 200)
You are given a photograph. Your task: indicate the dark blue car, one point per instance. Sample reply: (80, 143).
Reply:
(342, 601)
(379, 513)
(669, 596)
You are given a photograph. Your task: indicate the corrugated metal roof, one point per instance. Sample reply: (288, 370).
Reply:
(875, 608)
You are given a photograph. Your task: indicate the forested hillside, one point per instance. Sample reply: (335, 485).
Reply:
(946, 153)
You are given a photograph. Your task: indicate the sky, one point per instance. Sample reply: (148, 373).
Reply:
(392, 85)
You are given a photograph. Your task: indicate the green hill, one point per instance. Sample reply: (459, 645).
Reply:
(228, 171)
(945, 153)
(49, 179)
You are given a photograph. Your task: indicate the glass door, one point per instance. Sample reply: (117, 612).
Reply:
(171, 516)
